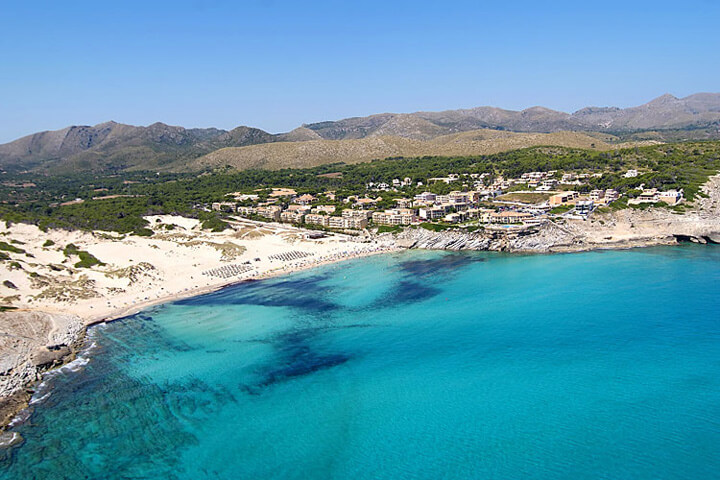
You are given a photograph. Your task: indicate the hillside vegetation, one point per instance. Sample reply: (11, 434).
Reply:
(319, 152)
(127, 198)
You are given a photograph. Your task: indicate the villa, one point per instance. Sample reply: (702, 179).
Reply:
(563, 198)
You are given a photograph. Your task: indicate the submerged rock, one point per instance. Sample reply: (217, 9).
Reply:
(10, 439)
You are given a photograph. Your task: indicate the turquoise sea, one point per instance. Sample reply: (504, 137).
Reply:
(420, 365)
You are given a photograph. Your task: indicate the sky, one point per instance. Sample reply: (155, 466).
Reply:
(276, 64)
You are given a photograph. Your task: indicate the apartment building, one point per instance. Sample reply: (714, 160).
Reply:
(271, 212)
(290, 216)
(398, 216)
(316, 219)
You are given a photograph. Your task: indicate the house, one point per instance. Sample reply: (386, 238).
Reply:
(671, 197)
(652, 195)
(584, 207)
(563, 198)
(323, 208)
(241, 197)
(364, 202)
(246, 211)
(355, 223)
(223, 206)
(647, 196)
(426, 197)
(596, 195)
(535, 221)
(456, 217)
(314, 235)
(283, 192)
(455, 198)
(533, 176)
(611, 195)
(298, 208)
(306, 199)
(440, 179)
(403, 202)
(631, 174)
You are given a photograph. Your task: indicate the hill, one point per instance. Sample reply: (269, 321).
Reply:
(319, 152)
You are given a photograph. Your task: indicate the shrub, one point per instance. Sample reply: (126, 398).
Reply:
(435, 227)
(10, 248)
(389, 229)
(87, 260)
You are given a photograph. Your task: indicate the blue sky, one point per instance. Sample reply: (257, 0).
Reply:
(275, 64)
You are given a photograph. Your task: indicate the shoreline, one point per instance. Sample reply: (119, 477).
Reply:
(11, 407)
(196, 292)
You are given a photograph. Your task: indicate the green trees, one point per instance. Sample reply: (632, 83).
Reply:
(118, 203)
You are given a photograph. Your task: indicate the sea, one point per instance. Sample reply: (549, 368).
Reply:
(414, 365)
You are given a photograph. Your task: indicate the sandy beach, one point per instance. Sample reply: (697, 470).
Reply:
(54, 299)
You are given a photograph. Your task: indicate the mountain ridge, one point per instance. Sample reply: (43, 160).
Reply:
(116, 146)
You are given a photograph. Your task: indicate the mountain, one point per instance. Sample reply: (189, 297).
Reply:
(667, 112)
(112, 147)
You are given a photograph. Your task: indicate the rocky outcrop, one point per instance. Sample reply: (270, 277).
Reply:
(31, 343)
(499, 240)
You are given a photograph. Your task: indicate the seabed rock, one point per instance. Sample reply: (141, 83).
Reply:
(10, 439)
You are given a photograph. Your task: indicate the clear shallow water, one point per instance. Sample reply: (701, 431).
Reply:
(419, 365)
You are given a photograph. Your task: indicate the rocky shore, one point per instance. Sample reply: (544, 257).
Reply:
(32, 343)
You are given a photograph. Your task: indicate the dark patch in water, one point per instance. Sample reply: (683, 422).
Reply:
(408, 291)
(305, 293)
(438, 266)
(304, 362)
(404, 292)
(310, 330)
(296, 358)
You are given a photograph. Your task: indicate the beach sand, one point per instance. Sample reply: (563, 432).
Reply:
(54, 300)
